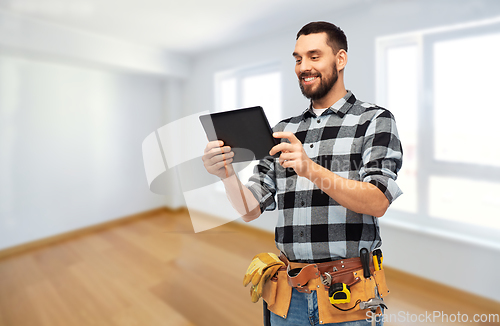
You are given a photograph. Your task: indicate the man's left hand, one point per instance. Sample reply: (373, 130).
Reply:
(292, 154)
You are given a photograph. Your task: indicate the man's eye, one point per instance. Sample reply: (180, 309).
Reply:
(314, 58)
(297, 61)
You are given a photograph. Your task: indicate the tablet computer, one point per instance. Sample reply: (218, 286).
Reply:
(246, 130)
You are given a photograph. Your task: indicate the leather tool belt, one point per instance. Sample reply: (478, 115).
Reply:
(306, 278)
(340, 271)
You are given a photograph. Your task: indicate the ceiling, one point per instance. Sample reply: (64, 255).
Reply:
(181, 26)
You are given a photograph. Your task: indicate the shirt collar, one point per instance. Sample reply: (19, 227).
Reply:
(340, 107)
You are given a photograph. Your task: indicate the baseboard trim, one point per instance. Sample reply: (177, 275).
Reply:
(82, 231)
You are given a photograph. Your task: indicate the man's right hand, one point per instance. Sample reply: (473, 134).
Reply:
(217, 159)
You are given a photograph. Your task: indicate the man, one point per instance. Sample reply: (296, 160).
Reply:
(334, 177)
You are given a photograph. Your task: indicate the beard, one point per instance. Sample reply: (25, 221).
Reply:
(324, 87)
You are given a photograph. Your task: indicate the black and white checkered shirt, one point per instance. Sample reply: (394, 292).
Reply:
(353, 139)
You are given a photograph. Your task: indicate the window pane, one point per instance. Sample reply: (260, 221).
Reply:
(256, 90)
(465, 200)
(264, 90)
(465, 79)
(402, 102)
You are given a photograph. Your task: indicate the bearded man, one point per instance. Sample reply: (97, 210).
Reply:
(334, 178)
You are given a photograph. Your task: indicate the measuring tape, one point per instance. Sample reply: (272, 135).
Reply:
(339, 293)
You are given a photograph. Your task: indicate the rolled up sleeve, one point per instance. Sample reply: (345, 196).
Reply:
(382, 155)
(262, 184)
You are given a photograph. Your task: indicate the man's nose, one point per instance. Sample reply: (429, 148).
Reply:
(305, 66)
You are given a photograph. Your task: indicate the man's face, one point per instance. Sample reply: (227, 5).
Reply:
(315, 65)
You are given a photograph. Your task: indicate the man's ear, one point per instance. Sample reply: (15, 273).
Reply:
(341, 59)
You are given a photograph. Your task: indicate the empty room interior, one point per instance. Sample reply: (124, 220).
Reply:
(107, 215)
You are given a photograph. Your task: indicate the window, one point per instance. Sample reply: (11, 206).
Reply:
(460, 94)
(257, 86)
(441, 87)
(260, 86)
(402, 97)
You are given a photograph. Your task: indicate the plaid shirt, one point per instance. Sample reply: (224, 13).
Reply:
(353, 139)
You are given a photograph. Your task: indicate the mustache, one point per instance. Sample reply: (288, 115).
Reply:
(309, 74)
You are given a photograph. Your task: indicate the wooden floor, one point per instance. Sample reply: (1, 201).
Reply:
(157, 271)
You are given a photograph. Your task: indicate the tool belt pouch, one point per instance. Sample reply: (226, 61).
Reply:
(299, 277)
(382, 288)
(361, 290)
(277, 293)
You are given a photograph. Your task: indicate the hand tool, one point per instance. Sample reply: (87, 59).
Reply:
(372, 304)
(326, 279)
(266, 315)
(378, 259)
(365, 262)
(339, 293)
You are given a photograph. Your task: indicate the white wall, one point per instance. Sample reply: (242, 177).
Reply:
(74, 110)
(173, 109)
(409, 249)
(70, 146)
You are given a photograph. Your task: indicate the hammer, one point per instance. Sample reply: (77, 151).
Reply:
(372, 304)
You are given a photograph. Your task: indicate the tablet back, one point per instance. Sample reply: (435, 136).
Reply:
(247, 131)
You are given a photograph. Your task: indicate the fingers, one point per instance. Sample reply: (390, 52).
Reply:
(287, 159)
(288, 135)
(217, 159)
(214, 151)
(285, 156)
(223, 157)
(282, 147)
(219, 151)
(294, 144)
(220, 165)
(219, 155)
(213, 144)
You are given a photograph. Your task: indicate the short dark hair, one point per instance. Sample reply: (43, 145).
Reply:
(336, 37)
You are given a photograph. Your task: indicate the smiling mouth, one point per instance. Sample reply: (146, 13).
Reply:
(309, 80)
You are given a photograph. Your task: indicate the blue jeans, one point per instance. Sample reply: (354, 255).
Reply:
(304, 311)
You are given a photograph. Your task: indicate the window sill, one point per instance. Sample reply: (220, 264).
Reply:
(488, 241)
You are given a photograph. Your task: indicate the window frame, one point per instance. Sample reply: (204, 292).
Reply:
(240, 74)
(427, 165)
